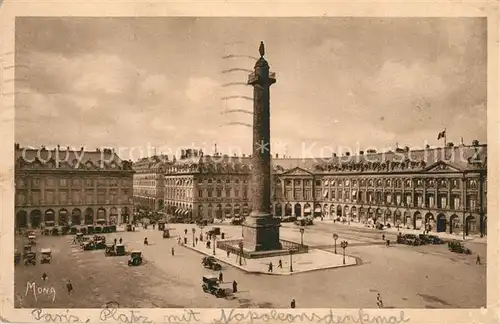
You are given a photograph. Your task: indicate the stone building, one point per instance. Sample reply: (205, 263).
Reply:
(442, 187)
(67, 186)
(149, 183)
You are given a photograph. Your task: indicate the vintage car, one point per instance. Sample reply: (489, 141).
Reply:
(410, 239)
(135, 258)
(161, 225)
(236, 221)
(26, 249)
(83, 230)
(211, 263)
(88, 246)
(99, 244)
(458, 247)
(304, 221)
(73, 230)
(98, 229)
(79, 237)
(17, 257)
(30, 258)
(45, 256)
(211, 285)
(55, 231)
(130, 228)
(32, 239)
(30, 233)
(120, 249)
(109, 250)
(112, 228)
(166, 233)
(90, 229)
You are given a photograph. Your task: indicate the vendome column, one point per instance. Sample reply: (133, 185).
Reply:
(261, 229)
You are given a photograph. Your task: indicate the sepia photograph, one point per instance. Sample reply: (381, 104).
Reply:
(250, 162)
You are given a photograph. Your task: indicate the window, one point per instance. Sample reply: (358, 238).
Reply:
(245, 193)
(210, 192)
(50, 182)
(200, 193)
(89, 197)
(296, 194)
(443, 202)
(455, 202)
(347, 183)
(35, 197)
(228, 181)
(237, 181)
(236, 193)
(35, 182)
(63, 182)
(49, 197)
(89, 182)
(228, 192)
(219, 192)
(101, 197)
(219, 181)
(112, 196)
(209, 181)
(20, 183)
(75, 197)
(297, 182)
(245, 181)
(63, 197)
(21, 198)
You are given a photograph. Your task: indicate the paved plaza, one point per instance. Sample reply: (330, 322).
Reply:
(405, 276)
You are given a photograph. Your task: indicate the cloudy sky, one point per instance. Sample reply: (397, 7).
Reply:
(158, 82)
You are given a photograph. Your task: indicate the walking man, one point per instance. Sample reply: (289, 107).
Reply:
(44, 276)
(69, 287)
(221, 277)
(196, 241)
(173, 253)
(383, 237)
(478, 259)
(380, 304)
(292, 303)
(235, 286)
(280, 264)
(121, 240)
(228, 254)
(115, 240)
(270, 268)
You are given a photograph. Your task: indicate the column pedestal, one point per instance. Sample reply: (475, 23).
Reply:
(261, 233)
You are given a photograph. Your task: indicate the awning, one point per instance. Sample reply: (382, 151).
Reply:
(325, 193)
(307, 210)
(186, 212)
(176, 211)
(317, 210)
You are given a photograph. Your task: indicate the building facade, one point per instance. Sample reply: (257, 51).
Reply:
(442, 188)
(149, 183)
(74, 187)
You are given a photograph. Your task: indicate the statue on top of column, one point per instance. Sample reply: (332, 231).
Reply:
(261, 49)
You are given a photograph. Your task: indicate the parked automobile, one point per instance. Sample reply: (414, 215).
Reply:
(45, 256)
(120, 249)
(211, 285)
(166, 233)
(211, 263)
(135, 258)
(30, 258)
(130, 228)
(306, 221)
(458, 247)
(32, 240)
(109, 250)
(236, 221)
(410, 239)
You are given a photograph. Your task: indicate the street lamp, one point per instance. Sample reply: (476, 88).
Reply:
(291, 261)
(302, 235)
(201, 226)
(335, 237)
(194, 231)
(213, 236)
(343, 244)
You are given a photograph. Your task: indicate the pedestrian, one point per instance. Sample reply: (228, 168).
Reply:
(185, 240)
(478, 259)
(196, 241)
(173, 253)
(383, 237)
(121, 240)
(235, 286)
(201, 237)
(69, 287)
(270, 268)
(145, 241)
(221, 277)
(228, 254)
(44, 276)
(115, 240)
(179, 240)
(380, 304)
(153, 226)
(185, 231)
(280, 264)
(292, 303)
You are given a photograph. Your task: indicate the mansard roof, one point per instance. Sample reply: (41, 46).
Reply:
(43, 158)
(455, 159)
